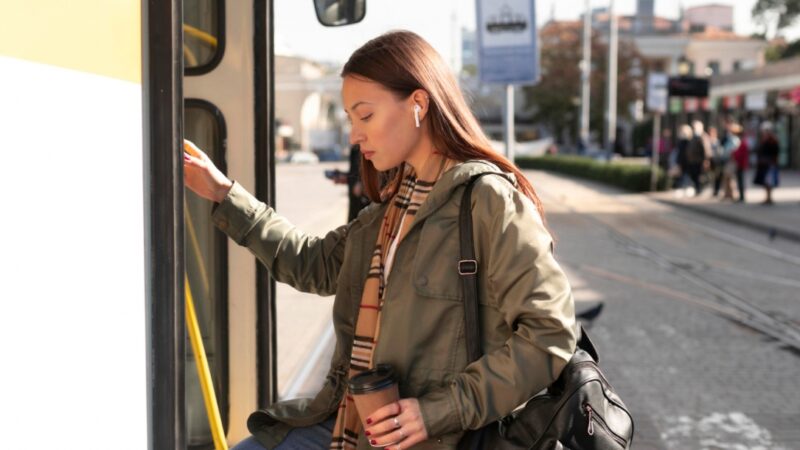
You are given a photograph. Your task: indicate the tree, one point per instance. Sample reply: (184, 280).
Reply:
(556, 98)
(786, 11)
(778, 49)
(551, 100)
(791, 50)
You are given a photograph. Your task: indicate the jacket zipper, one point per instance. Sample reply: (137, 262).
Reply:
(592, 418)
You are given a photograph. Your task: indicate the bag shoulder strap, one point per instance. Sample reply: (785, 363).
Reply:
(468, 271)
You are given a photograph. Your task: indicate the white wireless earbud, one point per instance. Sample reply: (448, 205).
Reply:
(417, 109)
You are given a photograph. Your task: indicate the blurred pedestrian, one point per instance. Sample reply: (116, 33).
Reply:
(679, 170)
(355, 190)
(730, 145)
(664, 149)
(716, 162)
(767, 161)
(698, 156)
(741, 158)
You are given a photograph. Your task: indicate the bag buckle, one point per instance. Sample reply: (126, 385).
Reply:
(467, 267)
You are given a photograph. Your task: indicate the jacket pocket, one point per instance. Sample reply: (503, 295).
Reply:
(436, 260)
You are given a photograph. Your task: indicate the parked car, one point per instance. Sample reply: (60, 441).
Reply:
(303, 157)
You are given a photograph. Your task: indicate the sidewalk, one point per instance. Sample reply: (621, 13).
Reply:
(782, 218)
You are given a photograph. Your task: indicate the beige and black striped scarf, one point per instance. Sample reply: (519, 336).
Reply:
(397, 221)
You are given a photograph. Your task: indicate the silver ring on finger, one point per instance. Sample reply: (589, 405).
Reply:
(402, 435)
(396, 422)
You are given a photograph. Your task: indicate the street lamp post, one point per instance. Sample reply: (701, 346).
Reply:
(586, 74)
(611, 133)
(509, 126)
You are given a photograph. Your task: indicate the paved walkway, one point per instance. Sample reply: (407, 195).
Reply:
(315, 206)
(781, 219)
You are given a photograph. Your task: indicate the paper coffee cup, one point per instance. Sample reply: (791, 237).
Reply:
(373, 389)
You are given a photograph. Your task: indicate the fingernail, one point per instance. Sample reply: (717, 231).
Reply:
(369, 421)
(373, 442)
(368, 433)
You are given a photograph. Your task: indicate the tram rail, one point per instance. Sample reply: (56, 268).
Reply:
(726, 303)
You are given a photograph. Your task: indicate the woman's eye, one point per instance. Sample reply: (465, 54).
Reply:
(366, 118)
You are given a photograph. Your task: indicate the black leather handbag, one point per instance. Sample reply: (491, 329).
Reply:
(579, 411)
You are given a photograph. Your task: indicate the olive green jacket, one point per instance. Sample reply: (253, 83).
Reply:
(527, 310)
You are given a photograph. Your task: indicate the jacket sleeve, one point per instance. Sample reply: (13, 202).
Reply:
(307, 263)
(527, 286)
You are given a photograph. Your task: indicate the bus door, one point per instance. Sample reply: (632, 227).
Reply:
(228, 105)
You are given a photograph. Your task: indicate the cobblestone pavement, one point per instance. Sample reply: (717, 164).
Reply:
(693, 378)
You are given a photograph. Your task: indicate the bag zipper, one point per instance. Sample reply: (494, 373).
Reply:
(604, 382)
(592, 418)
(562, 403)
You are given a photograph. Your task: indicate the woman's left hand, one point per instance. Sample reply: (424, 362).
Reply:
(397, 425)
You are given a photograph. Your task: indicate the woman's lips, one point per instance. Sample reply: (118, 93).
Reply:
(367, 155)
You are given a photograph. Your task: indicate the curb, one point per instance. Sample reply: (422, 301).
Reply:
(778, 231)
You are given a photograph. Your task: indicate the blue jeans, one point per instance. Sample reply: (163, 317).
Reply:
(308, 438)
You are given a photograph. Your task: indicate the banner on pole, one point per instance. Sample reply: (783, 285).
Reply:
(755, 101)
(508, 47)
(657, 92)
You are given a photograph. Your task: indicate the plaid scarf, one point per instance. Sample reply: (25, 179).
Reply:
(397, 221)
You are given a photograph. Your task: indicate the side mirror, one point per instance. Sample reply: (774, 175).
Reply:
(334, 13)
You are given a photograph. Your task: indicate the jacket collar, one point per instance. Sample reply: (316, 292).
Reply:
(451, 180)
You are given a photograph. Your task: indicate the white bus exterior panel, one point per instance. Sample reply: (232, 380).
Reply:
(72, 329)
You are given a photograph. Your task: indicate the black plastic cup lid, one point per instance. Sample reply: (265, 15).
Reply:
(376, 379)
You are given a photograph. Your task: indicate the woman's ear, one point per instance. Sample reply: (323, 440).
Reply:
(421, 98)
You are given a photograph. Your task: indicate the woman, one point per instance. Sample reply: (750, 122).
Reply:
(420, 144)
(767, 172)
(729, 165)
(716, 162)
(741, 156)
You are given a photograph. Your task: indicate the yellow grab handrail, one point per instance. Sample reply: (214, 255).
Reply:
(204, 36)
(198, 254)
(191, 59)
(203, 371)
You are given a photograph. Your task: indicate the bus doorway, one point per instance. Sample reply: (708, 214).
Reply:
(228, 86)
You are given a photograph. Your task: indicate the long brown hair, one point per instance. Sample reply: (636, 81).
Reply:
(403, 62)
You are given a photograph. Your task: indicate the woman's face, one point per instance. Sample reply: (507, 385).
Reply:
(382, 125)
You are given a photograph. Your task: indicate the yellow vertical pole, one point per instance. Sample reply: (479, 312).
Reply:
(203, 371)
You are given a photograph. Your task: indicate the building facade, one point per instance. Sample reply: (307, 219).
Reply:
(710, 16)
(308, 107)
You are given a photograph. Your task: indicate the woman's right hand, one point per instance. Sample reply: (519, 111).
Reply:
(202, 176)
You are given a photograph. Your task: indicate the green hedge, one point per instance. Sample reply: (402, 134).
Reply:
(632, 177)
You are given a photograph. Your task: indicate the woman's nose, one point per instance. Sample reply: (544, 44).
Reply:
(356, 138)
